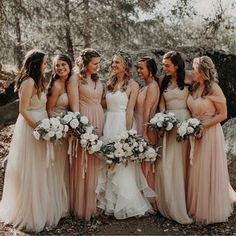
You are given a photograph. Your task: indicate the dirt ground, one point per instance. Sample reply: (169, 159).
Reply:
(105, 225)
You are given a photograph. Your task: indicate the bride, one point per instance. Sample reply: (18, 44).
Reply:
(120, 188)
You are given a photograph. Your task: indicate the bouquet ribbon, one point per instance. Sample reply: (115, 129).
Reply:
(192, 147)
(72, 148)
(84, 162)
(164, 147)
(49, 154)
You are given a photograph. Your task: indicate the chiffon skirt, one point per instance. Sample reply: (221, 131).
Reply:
(32, 197)
(210, 195)
(83, 171)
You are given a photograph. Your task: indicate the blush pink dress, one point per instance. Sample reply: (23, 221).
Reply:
(208, 197)
(147, 167)
(82, 188)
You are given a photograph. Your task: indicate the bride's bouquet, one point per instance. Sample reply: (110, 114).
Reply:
(163, 121)
(50, 129)
(129, 146)
(81, 128)
(189, 127)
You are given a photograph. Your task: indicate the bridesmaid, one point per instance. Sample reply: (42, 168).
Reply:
(30, 188)
(85, 93)
(171, 173)
(208, 198)
(57, 102)
(145, 108)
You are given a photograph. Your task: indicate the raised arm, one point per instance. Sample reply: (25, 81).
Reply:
(73, 93)
(132, 100)
(27, 90)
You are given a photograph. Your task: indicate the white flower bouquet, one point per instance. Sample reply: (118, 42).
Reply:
(129, 146)
(163, 121)
(50, 129)
(189, 127)
(83, 130)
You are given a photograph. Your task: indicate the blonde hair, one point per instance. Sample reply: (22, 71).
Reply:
(208, 70)
(82, 62)
(127, 76)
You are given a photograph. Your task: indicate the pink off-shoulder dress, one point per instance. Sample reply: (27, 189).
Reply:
(208, 195)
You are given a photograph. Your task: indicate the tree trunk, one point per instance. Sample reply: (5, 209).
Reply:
(18, 52)
(69, 41)
(87, 26)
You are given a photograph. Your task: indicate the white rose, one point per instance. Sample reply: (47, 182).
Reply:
(109, 162)
(118, 145)
(154, 120)
(83, 142)
(119, 153)
(77, 113)
(74, 123)
(161, 119)
(51, 133)
(61, 127)
(99, 143)
(89, 129)
(169, 126)
(159, 124)
(67, 118)
(59, 134)
(84, 120)
(36, 135)
(45, 124)
(110, 155)
(171, 114)
(55, 122)
(124, 135)
(126, 146)
(194, 122)
(140, 148)
(190, 130)
(132, 132)
(66, 128)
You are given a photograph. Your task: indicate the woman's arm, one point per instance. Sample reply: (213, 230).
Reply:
(162, 106)
(26, 92)
(152, 97)
(220, 105)
(103, 100)
(73, 93)
(130, 108)
(52, 99)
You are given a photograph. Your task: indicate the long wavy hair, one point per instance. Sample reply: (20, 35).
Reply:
(151, 65)
(177, 60)
(207, 68)
(127, 75)
(55, 76)
(31, 68)
(82, 61)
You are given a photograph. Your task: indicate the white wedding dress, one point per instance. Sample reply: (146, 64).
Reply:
(121, 189)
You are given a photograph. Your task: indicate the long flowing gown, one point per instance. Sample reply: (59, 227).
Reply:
(120, 188)
(83, 187)
(147, 167)
(171, 173)
(61, 161)
(31, 194)
(208, 198)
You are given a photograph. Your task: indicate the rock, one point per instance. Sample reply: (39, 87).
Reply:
(9, 112)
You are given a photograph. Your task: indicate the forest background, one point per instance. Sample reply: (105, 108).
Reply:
(108, 25)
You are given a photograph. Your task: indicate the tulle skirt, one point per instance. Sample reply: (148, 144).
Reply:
(32, 197)
(210, 195)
